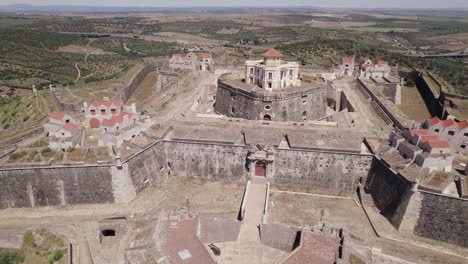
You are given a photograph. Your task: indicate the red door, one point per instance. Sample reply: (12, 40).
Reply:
(260, 169)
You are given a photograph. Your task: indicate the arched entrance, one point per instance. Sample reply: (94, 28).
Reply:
(267, 117)
(260, 169)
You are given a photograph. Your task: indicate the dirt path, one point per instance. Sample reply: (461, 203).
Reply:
(78, 72)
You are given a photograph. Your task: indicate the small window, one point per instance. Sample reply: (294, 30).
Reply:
(270, 75)
(462, 146)
(251, 70)
(234, 98)
(233, 110)
(437, 130)
(103, 111)
(304, 115)
(466, 134)
(113, 111)
(67, 121)
(269, 85)
(267, 117)
(93, 112)
(267, 107)
(304, 101)
(451, 132)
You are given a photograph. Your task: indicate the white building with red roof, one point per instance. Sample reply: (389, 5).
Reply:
(114, 121)
(425, 148)
(456, 133)
(191, 62)
(63, 131)
(272, 72)
(379, 70)
(347, 67)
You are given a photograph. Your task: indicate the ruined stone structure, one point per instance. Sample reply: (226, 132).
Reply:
(271, 90)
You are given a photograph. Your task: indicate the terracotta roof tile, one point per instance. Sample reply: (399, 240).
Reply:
(69, 126)
(106, 103)
(419, 132)
(176, 55)
(95, 103)
(348, 60)
(117, 102)
(272, 53)
(425, 138)
(382, 62)
(447, 123)
(57, 115)
(438, 143)
(108, 122)
(463, 124)
(433, 121)
(206, 56)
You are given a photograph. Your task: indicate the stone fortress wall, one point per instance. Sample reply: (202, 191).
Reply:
(125, 90)
(308, 104)
(337, 170)
(66, 185)
(432, 215)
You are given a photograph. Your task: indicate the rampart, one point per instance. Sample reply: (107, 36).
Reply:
(408, 208)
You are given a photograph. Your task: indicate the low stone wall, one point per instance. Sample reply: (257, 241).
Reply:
(33, 187)
(280, 237)
(328, 170)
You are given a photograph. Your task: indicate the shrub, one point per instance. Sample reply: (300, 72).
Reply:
(8, 257)
(55, 256)
(17, 155)
(28, 239)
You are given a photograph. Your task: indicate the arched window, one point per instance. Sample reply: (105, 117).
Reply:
(267, 117)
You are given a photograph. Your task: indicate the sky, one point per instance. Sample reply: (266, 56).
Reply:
(257, 3)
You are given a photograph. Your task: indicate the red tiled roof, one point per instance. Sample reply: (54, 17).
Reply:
(69, 126)
(365, 59)
(206, 56)
(126, 114)
(419, 132)
(382, 62)
(463, 124)
(348, 60)
(425, 138)
(117, 118)
(176, 55)
(438, 143)
(117, 102)
(95, 103)
(272, 53)
(57, 115)
(433, 121)
(447, 123)
(365, 66)
(108, 122)
(106, 103)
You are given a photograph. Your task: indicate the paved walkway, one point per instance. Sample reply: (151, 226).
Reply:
(248, 249)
